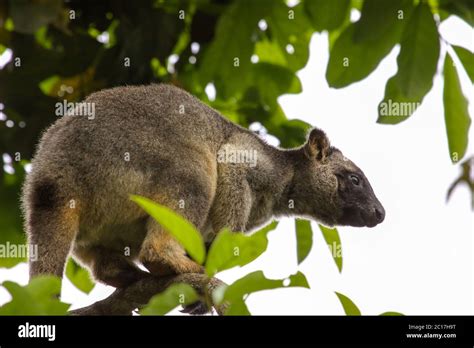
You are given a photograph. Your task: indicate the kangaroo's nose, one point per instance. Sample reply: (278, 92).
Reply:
(379, 214)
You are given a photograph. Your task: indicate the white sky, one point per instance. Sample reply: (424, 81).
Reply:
(419, 261)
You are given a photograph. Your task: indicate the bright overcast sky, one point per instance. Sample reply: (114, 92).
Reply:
(419, 260)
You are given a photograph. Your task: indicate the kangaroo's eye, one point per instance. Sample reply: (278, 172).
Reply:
(354, 179)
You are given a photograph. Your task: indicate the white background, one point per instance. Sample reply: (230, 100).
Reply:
(419, 261)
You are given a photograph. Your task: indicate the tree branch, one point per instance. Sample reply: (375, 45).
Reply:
(124, 301)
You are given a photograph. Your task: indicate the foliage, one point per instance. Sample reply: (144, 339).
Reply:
(166, 301)
(79, 276)
(227, 250)
(359, 49)
(181, 229)
(237, 292)
(234, 249)
(467, 168)
(350, 307)
(331, 236)
(455, 111)
(39, 297)
(304, 239)
(417, 62)
(249, 51)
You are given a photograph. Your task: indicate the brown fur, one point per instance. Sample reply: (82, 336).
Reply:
(173, 160)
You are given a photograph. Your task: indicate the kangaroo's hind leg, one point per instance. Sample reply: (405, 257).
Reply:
(110, 267)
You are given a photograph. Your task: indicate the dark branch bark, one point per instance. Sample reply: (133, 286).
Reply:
(125, 301)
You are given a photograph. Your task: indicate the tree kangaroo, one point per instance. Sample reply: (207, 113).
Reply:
(163, 143)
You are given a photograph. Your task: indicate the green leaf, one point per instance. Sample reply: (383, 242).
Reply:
(47, 85)
(273, 81)
(176, 225)
(391, 314)
(39, 297)
(378, 17)
(270, 52)
(228, 56)
(289, 26)
(292, 133)
(464, 9)
(327, 15)
(349, 307)
(331, 236)
(172, 297)
(456, 114)
(419, 53)
(395, 107)
(467, 59)
(304, 238)
(79, 276)
(231, 249)
(238, 307)
(417, 63)
(283, 80)
(356, 53)
(334, 34)
(237, 292)
(12, 235)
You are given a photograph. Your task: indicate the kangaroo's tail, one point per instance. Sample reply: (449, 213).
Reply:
(51, 222)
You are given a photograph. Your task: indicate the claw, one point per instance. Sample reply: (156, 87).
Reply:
(196, 308)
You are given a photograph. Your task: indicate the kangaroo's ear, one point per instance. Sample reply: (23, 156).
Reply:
(317, 145)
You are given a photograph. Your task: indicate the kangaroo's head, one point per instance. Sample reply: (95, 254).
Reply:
(330, 188)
